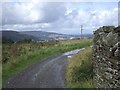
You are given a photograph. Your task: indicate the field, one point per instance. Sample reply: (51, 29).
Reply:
(79, 73)
(17, 57)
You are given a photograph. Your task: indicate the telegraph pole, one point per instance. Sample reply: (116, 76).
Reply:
(81, 31)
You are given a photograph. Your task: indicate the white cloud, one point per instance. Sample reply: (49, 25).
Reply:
(32, 12)
(21, 13)
(58, 17)
(30, 27)
(90, 20)
(62, 0)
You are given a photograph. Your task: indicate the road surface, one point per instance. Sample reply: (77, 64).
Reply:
(47, 73)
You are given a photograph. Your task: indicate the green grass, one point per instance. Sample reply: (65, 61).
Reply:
(0, 75)
(20, 56)
(79, 72)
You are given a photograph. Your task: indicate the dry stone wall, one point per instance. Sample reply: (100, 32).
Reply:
(106, 57)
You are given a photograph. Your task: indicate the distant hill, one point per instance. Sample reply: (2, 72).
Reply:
(16, 36)
(5, 40)
(39, 36)
(42, 35)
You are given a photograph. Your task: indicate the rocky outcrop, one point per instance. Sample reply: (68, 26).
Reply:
(106, 57)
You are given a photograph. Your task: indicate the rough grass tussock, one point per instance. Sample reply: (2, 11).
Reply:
(80, 71)
(17, 57)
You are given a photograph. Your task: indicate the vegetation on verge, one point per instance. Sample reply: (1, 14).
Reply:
(18, 56)
(79, 73)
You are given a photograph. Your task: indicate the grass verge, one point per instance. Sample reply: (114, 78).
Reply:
(79, 73)
(20, 56)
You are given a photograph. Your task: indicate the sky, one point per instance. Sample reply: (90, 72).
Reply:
(59, 17)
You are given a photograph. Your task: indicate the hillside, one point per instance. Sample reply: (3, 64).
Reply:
(42, 35)
(16, 57)
(39, 36)
(16, 36)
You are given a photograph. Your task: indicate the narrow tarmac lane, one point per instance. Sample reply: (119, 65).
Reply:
(48, 73)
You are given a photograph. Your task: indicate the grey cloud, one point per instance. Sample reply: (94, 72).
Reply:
(53, 17)
(12, 13)
(53, 12)
(18, 13)
(27, 27)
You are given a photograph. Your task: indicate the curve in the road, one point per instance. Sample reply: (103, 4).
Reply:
(48, 73)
